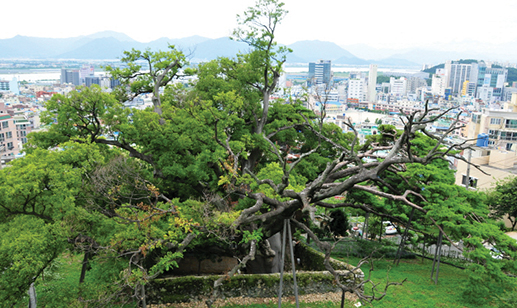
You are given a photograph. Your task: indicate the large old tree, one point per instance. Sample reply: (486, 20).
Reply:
(223, 159)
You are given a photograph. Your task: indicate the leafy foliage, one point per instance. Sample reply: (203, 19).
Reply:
(503, 200)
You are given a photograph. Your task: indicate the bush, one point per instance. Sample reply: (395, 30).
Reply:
(339, 223)
(488, 283)
(362, 248)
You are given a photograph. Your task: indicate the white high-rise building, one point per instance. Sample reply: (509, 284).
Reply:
(439, 82)
(398, 86)
(372, 83)
(86, 71)
(357, 89)
(459, 73)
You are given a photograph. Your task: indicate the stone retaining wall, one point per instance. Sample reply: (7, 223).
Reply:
(199, 288)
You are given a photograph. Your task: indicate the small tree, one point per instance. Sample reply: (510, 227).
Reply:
(503, 200)
(339, 223)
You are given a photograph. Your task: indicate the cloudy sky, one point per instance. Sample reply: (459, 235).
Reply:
(378, 23)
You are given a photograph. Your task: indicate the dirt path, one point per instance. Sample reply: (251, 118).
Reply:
(311, 298)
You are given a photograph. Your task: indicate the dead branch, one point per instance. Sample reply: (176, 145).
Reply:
(219, 282)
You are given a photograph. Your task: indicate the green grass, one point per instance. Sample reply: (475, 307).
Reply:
(418, 290)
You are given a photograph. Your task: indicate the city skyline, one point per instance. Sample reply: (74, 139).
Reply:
(393, 25)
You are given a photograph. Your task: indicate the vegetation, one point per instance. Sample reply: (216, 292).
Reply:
(216, 168)
(503, 200)
(383, 78)
(417, 291)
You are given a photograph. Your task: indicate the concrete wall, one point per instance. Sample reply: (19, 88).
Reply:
(501, 159)
(485, 181)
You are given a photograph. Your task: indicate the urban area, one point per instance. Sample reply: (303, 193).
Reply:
(485, 101)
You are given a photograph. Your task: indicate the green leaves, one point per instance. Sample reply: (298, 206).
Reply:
(39, 212)
(44, 184)
(85, 113)
(158, 70)
(255, 235)
(27, 246)
(258, 25)
(503, 200)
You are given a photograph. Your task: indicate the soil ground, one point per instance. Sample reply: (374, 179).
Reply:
(310, 298)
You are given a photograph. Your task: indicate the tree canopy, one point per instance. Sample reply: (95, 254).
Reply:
(503, 200)
(219, 162)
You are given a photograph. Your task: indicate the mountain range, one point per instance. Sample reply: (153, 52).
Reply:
(110, 45)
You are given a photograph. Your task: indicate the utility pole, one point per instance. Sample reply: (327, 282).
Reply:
(467, 177)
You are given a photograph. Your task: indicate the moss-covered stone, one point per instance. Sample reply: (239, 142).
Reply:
(199, 288)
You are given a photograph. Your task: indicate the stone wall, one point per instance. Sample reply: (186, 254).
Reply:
(191, 265)
(199, 288)
(313, 281)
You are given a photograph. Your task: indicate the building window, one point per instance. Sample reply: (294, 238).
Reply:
(495, 121)
(476, 118)
(10, 146)
(493, 134)
(511, 124)
(2, 137)
(8, 135)
(5, 124)
(473, 182)
(509, 136)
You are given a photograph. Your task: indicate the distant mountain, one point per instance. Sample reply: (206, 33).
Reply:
(427, 55)
(367, 52)
(351, 61)
(106, 34)
(182, 43)
(311, 51)
(100, 48)
(34, 47)
(221, 47)
(392, 61)
(111, 44)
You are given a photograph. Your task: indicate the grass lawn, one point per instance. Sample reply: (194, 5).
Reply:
(417, 291)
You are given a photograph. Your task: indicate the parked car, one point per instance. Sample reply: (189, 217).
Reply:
(496, 254)
(389, 228)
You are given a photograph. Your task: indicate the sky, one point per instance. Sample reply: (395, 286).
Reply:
(394, 24)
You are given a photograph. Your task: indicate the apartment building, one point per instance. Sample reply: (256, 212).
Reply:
(357, 88)
(8, 139)
(499, 125)
(398, 86)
